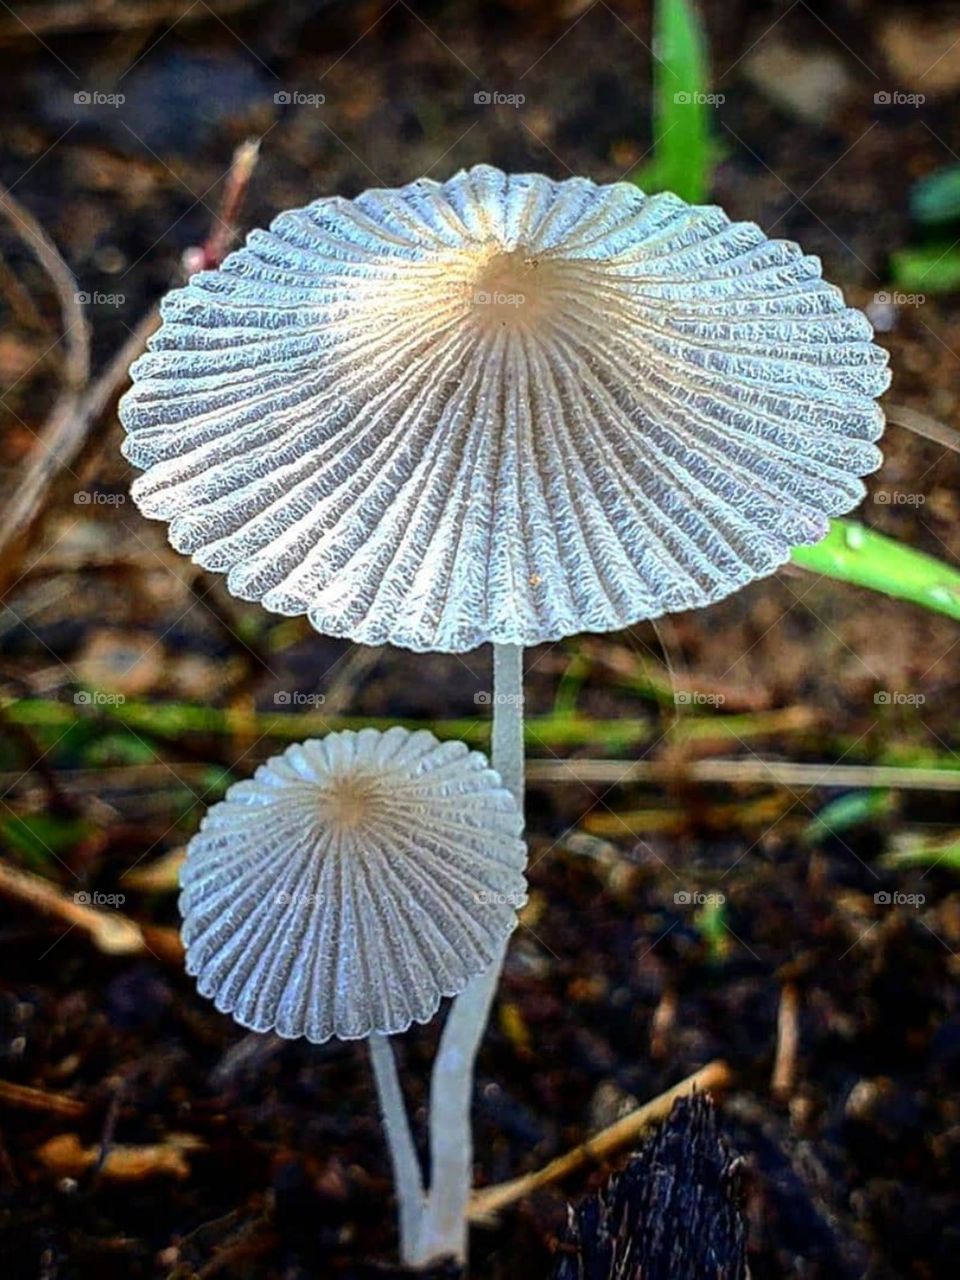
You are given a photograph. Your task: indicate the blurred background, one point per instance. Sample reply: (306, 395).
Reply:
(744, 824)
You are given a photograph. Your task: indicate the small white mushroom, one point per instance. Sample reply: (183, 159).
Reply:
(353, 882)
(502, 408)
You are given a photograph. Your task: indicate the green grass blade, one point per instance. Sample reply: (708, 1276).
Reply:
(935, 199)
(852, 553)
(683, 153)
(933, 268)
(854, 809)
(914, 851)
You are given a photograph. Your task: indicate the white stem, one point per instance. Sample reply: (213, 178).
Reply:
(444, 1229)
(507, 737)
(407, 1176)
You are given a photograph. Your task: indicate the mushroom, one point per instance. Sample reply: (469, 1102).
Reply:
(345, 889)
(501, 409)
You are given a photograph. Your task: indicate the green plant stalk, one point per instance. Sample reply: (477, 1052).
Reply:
(926, 269)
(852, 553)
(683, 152)
(172, 719)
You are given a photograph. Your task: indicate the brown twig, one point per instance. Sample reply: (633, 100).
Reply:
(75, 413)
(783, 1078)
(65, 1156)
(25, 1097)
(76, 331)
(222, 234)
(110, 931)
(921, 424)
(53, 450)
(663, 1024)
(82, 15)
(162, 875)
(130, 777)
(347, 675)
(486, 1204)
(36, 763)
(20, 301)
(778, 773)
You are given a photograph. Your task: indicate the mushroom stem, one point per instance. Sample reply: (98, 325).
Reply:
(444, 1227)
(507, 740)
(407, 1175)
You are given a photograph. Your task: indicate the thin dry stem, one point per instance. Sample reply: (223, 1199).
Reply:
(110, 931)
(79, 405)
(783, 1078)
(715, 1077)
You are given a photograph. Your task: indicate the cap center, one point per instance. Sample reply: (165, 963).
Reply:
(351, 800)
(514, 287)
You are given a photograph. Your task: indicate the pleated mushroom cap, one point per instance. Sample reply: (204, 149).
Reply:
(351, 884)
(502, 408)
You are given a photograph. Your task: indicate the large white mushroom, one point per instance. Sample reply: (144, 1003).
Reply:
(502, 408)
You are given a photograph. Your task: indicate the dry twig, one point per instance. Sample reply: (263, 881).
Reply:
(24, 1097)
(921, 424)
(66, 1157)
(54, 443)
(78, 409)
(94, 15)
(110, 931)
(486, 1204)
(784, 1076)
(779, 773)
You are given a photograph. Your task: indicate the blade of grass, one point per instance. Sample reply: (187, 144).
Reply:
(856, 808)
(852, 553)
(174, 719)
(683, 152)
(935, 199)
(933, 268)
(914, 851)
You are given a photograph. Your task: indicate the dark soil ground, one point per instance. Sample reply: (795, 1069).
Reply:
(265, 1159)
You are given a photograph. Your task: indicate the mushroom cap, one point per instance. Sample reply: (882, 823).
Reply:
(353, 882)
(502, 408)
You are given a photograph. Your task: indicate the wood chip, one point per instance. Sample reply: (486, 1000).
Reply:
(65, 1156)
